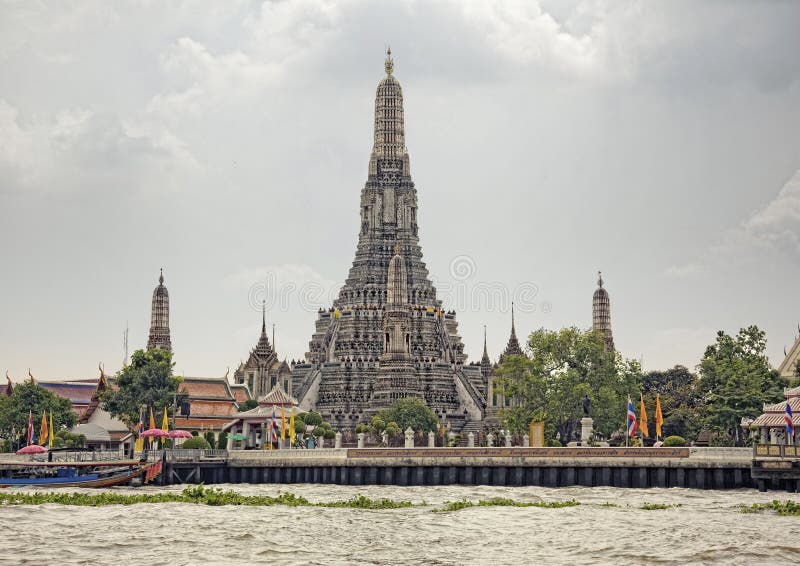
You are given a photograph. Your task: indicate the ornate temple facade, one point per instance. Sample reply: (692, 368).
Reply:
(159, 318)
(263, 371)
(601, 313)
(386, 336)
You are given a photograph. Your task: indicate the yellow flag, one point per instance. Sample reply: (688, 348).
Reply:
(291, 426)
(643, 417)
(283, 425)
(52, 431)
(43, 431)
(165, 421)
(152, 423)
(659, 416)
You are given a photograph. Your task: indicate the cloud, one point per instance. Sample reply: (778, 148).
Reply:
(79, 150)
(777, 225)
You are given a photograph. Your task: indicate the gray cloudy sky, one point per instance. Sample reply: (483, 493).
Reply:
(228, 142)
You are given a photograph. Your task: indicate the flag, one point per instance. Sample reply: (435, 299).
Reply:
(643, 417)
(165, 421)
(31, 436)
(631, 419)
(43, 429)
(788, 418)
(283, 425)
(291, 426)
(274, 427)
(152, 424)
(52, 430)
(659, 416)
(140, 426)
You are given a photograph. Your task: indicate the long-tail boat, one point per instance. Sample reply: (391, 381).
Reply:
(84, 474)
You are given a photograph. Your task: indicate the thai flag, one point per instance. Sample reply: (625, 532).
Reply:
(788, 418)
(632, 424)
(31, 433)
(273, 427)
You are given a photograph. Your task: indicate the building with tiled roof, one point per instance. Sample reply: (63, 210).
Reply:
(213, 402)
(79, 393)
(772, 423)
(788, 367)
(254, 424)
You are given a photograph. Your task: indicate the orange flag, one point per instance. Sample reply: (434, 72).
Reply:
(43, 433)
(643, 417)
(659, 416)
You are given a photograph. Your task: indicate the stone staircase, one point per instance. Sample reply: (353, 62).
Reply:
(470, 426)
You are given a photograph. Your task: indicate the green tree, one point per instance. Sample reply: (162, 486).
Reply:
(565, 366)
(29, 397)
(248, 405)
(209, 436)
(64, 439)
(195, 443)
(222, 440)
(409, 412)
(147, 381)
(677, 388)
(736, 379)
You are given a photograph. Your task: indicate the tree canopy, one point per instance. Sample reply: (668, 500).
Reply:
(409, 412)
(736, 379)
(148, 380)
(14, 410)
(565, 366)
(680, 400)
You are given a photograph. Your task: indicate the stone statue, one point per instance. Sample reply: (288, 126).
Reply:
(587, 405)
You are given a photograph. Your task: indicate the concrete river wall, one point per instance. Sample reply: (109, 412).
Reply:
(702, 468)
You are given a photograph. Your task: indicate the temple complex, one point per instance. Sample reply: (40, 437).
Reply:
(380, 342)
(159, 318)
(601, 313)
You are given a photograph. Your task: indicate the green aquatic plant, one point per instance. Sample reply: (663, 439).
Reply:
(783, 508)
(454, 506)
(362, 502)
(658, 506)
(503, 502)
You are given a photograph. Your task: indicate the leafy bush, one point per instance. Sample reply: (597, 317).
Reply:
(674, 441)
(195, 433)
(555, 443)
(299, 425)
(361, 428)
(222, 441)
(209, 436)
(318, 431)
(195, 443)
(329, 435)
(312, 419)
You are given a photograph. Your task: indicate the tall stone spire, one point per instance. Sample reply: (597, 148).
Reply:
(159, 318)
(601, 313)
(512, 348)
(386, 335)
(396, 379)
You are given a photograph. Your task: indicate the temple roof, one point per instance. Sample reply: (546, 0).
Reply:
(277, 397)
(207, 388)
(512, 348)
(78, 393)
(774, 414)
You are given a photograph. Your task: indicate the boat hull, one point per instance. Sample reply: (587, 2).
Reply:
(88, 480)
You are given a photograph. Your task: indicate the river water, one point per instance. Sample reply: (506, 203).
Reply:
(706, 528)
